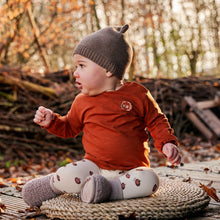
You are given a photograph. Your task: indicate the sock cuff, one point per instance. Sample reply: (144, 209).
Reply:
(117, 193)
(103, 189)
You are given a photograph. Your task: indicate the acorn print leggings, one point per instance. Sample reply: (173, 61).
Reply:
(138, 182)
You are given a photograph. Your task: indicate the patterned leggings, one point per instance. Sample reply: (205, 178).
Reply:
(138, 182)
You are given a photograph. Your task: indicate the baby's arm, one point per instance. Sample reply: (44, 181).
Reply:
(43, 116)
(172, 153)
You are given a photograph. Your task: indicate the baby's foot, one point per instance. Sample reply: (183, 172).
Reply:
(38, 190)
(95, 189)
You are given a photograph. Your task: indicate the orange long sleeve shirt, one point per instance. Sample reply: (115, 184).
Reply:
(114, 126)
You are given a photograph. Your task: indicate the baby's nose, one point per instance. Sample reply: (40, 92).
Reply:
(75, 74)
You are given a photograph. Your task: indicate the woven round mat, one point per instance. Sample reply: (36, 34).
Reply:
(174, 199)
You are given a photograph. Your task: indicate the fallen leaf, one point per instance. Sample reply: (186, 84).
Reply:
(172, 166)
(206, 170)
(187, 180)
(211, 182)
(211, 192)
(2, 208)
(13, 180)
(18, 188)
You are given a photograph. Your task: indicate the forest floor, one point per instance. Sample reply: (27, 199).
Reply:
(193, 149)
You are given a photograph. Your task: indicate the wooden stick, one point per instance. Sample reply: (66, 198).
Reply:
(207, 133)
(31, 86)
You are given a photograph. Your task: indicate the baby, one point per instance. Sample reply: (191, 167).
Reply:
(113, 116)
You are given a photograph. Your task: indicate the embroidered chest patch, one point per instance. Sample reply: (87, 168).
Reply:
(126, 106)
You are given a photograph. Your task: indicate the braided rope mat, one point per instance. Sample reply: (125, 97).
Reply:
(174, 199)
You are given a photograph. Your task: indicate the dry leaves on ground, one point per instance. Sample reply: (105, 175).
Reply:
(211, 191)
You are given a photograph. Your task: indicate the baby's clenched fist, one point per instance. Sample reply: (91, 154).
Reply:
(43, 116)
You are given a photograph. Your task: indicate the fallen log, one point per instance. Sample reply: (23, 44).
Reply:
(210, 103)
(204, 119)
(200, 125)
(10, 80)
(17, 129)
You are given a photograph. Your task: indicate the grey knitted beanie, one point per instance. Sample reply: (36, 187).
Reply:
(108, 48)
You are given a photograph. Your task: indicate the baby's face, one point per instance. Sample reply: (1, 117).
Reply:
(91, 78)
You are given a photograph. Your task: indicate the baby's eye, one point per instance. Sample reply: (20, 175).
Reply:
(82, 65)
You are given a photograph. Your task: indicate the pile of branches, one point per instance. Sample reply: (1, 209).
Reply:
(169, 94)
(20, 96)
(22, 93)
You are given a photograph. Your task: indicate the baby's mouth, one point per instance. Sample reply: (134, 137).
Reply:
(79, 85)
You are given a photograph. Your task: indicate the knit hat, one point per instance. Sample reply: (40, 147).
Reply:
(108, 48)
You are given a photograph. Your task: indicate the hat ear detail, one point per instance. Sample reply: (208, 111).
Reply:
(124, 28)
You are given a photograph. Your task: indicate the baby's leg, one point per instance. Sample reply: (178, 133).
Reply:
(139, 182)
(67, 179)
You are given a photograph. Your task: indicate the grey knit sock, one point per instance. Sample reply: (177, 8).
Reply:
(95, 189)
(38, 190)
(98, 189)
(116, 193)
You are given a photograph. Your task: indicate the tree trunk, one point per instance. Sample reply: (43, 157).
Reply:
(122, 11)
(36, 33)
(94, 13)
(173, 34)
(216, 18)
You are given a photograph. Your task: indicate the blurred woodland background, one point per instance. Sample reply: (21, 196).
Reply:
(176, 47)
(171, 38)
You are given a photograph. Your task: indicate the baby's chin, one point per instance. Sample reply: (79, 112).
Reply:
(90, 93)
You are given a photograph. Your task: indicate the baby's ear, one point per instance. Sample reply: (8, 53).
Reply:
(109, 74)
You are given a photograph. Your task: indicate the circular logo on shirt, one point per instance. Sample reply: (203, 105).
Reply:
(126, 106)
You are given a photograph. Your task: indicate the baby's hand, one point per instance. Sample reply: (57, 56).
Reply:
(43, 116)
(172, 153)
